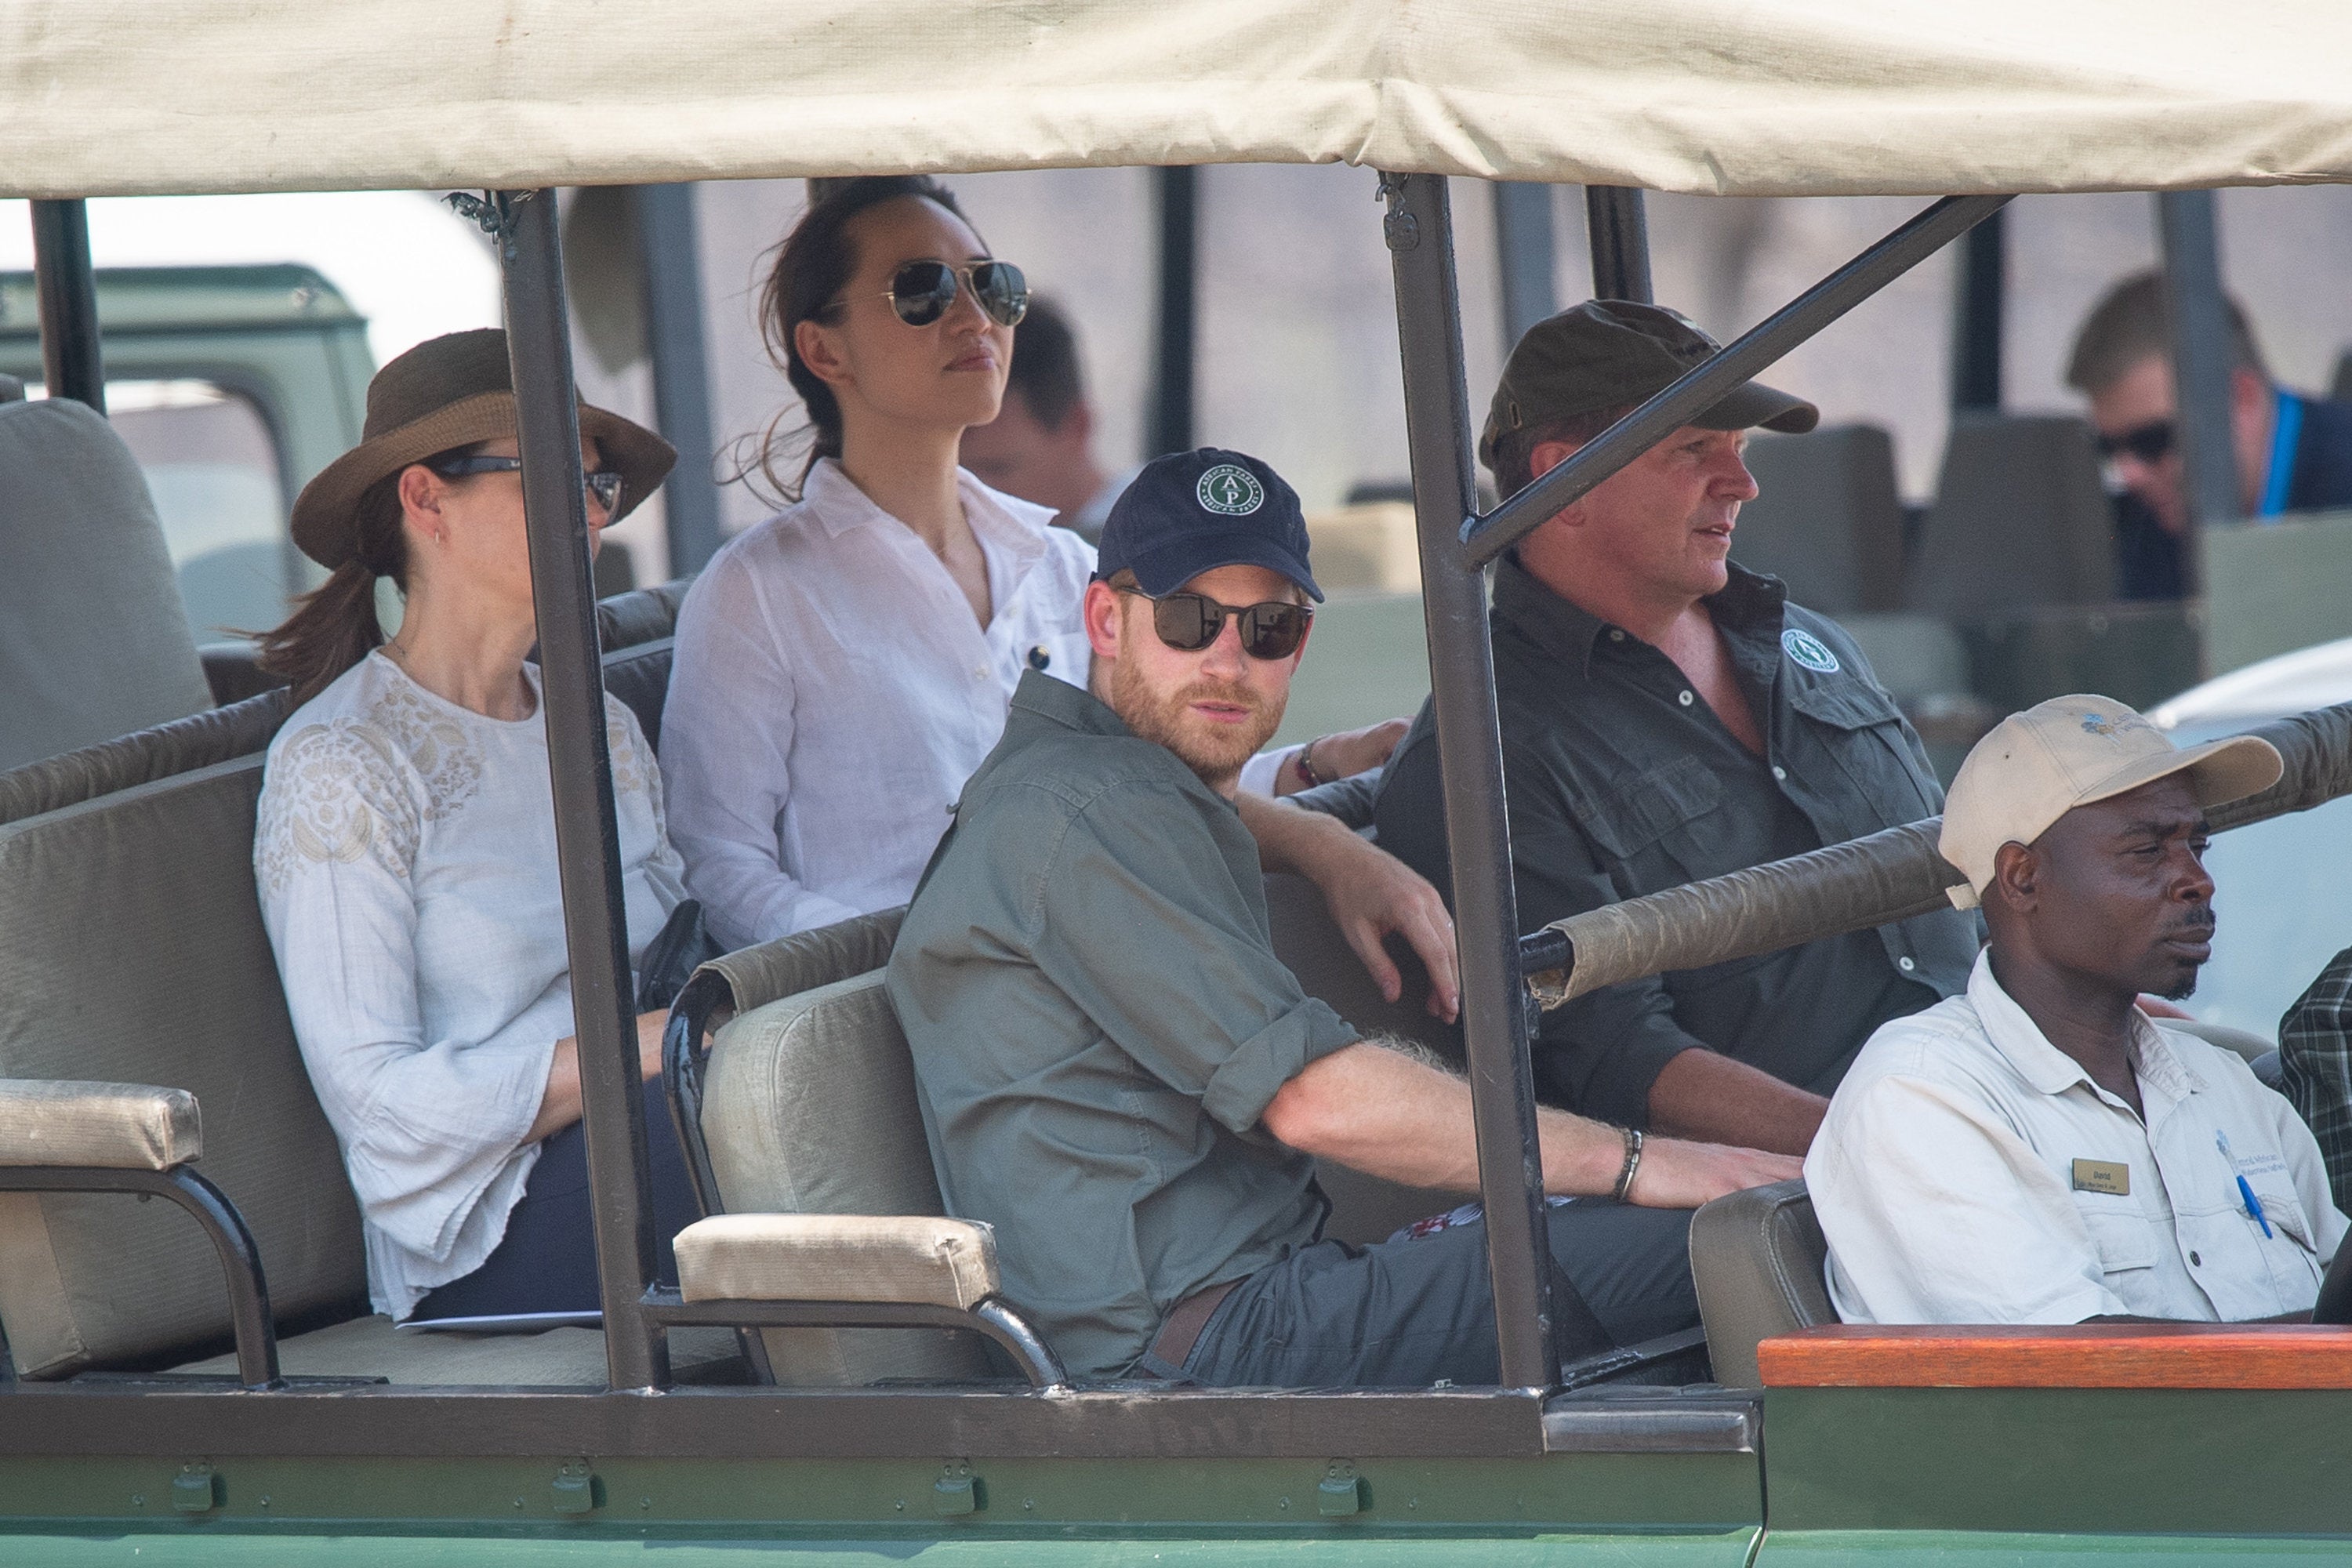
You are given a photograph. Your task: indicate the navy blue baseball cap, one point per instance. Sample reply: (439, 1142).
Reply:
(1190, 512)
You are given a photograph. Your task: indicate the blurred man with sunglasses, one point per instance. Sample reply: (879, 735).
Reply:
(2294, 453)
(1118, 1074)
(1668, 715)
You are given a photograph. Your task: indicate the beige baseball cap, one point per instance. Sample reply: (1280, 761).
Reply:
(2038, 765)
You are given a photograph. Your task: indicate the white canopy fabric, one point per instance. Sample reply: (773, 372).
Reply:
(1746, 96)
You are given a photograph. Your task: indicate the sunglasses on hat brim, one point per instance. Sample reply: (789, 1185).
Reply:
(1188, 623)
(923, 291)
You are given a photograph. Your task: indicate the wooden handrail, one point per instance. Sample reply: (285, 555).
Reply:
(2075, 1355)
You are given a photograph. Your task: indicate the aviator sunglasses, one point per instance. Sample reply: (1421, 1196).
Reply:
(922, 292)
(1191, 622)
(2149, 443)
(602, 485)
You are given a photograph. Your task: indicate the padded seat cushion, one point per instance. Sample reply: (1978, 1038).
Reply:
(1757, 1257)
(556, 1358)
(199, 741)
(923, 1259)
(114, 1126)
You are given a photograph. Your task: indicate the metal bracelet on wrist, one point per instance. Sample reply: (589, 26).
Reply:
(1307, 769)
(1633, 1140)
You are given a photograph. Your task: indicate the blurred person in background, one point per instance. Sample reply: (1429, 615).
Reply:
(1041, 446)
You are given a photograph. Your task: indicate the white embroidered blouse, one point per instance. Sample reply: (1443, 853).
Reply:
(406, 855)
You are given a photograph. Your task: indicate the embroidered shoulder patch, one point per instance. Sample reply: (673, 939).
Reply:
(1805, 649)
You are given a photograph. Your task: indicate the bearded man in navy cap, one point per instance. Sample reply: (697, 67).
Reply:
(1118, 1073)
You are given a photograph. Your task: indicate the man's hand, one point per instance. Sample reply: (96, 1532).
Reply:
(1344, 753)
(2157, 1007)
(1676, 1175)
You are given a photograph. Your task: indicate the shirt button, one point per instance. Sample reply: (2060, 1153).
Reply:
(979, 672)
(2196, 1260)
(1686, 699)
(1615, 636)
(1780, 773)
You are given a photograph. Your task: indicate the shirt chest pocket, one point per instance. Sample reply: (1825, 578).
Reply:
(2121, 1237)
(1860, 729)
(1634, 814)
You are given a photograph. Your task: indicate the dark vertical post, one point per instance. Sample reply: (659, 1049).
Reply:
(587, 832)
(66, 286)
(2199, 320)
(1179, 190)
(1526, 247)
(1494, 1017)
(1977, 308)
(670, 258)
(1620, 230)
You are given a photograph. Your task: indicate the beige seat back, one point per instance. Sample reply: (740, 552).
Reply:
(1827, 517)
(94, 641)
(132, 951)
(1758, 1259)
(1364, 1209)
(2022, 518)
(810, 1107)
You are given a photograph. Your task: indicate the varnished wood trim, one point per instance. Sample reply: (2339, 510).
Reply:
(2079, 1355)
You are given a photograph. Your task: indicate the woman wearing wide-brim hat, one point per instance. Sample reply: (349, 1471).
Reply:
(405, 848)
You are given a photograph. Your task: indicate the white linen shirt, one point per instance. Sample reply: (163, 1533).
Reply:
(1955, 1179)
(405, 852)
(832, 692)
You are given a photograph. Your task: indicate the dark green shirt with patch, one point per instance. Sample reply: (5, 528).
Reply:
(1623, 780)
(1088, 985)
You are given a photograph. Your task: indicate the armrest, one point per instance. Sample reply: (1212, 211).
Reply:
(807, 959)
(96, 1126)
(917, 1259)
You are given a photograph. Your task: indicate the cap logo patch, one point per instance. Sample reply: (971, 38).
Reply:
(1804, 648)
(1231, 490)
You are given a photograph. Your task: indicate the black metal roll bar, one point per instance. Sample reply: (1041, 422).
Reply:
(66, 284)
(1176, 190)
(2198, 317)
(669, 256)
(1618, 226)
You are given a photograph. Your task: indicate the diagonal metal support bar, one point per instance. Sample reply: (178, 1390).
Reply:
(1485, 537)
(1494, 1017)
(587, 826)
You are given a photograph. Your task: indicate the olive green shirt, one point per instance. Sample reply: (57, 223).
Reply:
(1097, 1018)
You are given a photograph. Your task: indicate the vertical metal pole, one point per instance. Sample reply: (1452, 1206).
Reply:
(1171, 416)
(1977, 310)
(1620, 229)
(587, 831)
(1419, 230)
(66, 286)
(669, 256)
(1523, 243)
(2199, 321)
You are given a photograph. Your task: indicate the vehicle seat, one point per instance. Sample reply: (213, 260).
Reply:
(94, 641)
(1759, 1259)
(809, 1107)
(2020, 517)
(1364, 1209)
(1827, 518)
(132, 952)
(637, 632)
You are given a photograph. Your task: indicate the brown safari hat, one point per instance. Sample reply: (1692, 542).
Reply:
(1606, 353)
(451, 391)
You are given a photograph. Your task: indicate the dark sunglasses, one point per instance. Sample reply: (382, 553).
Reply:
(1191, 622)
(603, 485)
(922, 292)
(2151, 442)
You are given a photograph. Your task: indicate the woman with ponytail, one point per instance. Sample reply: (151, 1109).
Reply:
(842, 668)
(405, 848)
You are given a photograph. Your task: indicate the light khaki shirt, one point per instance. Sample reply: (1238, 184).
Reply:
(1969, 1171)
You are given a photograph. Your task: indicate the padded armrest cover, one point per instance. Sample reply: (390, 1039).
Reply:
(110, 1126)
(915, 1258)
(807, 959)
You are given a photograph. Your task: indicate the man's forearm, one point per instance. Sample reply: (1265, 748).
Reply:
(1705, 1094)
(1290, 838)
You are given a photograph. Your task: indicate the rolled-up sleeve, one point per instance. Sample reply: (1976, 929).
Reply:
(1156, 941)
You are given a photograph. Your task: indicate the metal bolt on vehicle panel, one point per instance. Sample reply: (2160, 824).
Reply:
(958, 1490)
(197, 1489)
(577, 1488)
(1341, 1492)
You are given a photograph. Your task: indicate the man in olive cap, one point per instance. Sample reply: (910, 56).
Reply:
(1669, 716)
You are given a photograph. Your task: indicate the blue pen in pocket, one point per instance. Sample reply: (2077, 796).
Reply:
(2245, 1191)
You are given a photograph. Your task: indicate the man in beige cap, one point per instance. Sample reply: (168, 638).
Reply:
(1669, 716)
(2038, 1149)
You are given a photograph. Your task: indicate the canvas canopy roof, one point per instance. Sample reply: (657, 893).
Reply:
(1752, 96)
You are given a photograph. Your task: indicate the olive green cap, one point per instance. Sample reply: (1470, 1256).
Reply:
(1607, 354)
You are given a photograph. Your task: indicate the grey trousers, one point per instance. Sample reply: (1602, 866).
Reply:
(1416, 1309)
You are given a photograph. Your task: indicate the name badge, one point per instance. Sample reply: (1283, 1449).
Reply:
(2109, 1176)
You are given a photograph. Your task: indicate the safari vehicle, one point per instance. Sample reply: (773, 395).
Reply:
(835, 1373)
